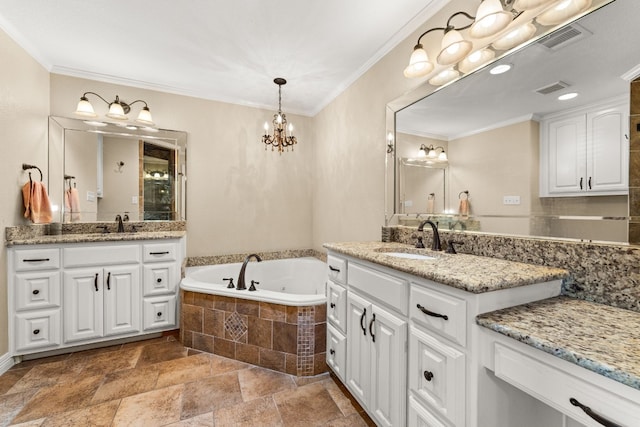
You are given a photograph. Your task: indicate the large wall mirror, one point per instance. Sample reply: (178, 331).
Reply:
(100, 170)
(491, 126)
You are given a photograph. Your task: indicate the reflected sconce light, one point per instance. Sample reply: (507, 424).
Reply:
(389, 143)
(118, 109)
(282, 137)
(495, 24)
(431, 153)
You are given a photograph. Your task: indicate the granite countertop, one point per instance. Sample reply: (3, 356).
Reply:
(467, 272)
(598, 337)
(95, 237)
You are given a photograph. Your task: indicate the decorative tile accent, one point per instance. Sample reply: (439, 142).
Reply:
(235, 325)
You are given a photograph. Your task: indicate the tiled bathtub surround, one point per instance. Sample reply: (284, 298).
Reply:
(602, 273)
(283, 338)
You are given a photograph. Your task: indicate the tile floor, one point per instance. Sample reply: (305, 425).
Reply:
(159, 382)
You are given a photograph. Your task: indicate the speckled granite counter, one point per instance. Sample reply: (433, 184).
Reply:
(598, 337)
(468, 272)
(96, 237)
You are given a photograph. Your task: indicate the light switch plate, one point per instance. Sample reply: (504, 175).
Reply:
(511, 200)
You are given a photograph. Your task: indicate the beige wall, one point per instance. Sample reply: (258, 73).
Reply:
(119, 184)
(241, 198)
(81, 154)
(24, 105)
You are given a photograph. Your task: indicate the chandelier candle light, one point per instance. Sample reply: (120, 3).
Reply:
(282, 137)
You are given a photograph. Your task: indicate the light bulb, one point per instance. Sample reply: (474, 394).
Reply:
(266, 127)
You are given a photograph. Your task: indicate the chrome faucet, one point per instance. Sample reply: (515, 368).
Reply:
(120, 224)
(436, 236)
(241, 285)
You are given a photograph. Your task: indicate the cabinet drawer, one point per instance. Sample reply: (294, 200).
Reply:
(81, 256)
(419, 416)
(337, 305)
(434, 305)
(160, 278)
(336, 351)
(159, 312)
(157, 252)
(36, 330)
(36, 259)
(337, 269)
(391, 290)
(437, 376)
(37, 290)
(556, 387)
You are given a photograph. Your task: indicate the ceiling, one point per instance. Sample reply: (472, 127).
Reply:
(592, 65)
(228, 51)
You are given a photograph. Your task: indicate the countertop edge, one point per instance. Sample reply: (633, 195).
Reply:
(95, 238)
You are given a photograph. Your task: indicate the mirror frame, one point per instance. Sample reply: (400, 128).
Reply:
(58, 126)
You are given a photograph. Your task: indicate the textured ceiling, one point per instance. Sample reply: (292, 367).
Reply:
(222, 50)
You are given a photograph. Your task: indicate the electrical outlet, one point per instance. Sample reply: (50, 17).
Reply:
(91, 196)
(511, 200)
(134, 200)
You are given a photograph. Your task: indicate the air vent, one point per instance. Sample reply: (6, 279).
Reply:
(564, 36)
(553, 87)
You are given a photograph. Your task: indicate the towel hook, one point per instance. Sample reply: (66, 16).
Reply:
(465, 192)
(26, 166)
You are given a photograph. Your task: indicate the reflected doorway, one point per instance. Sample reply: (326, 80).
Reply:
(158, 191)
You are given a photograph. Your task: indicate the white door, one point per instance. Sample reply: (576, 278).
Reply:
(607, 149)
(388, 336)
(567, 155)
(121, 299)
(83, 304)
(358, 347)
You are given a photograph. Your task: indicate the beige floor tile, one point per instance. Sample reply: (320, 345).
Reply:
(344, 403)
(59, 398)
(95, 416)
(309, 405)
(352, 421)
(153, 408)
(161, 352)
(10, 378)
(256, 413)
(35, 362)
(128, 382)
(94, 351)
(183, 370)
(210, 394)
(258, 382)
(220, 365)
(300, 381)
(48, 374)
(34, 423)
(204, 420)
(12, 404)
(112, 361)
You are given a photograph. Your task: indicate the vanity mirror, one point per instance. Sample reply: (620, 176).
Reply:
(492, 126)
(100, 170)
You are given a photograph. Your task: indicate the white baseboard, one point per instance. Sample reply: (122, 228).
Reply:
(6, 362)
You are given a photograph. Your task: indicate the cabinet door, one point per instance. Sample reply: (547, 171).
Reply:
(567, 155)
(37, 329)
(358, 347)
(121, 300)
(83, 304)
(607, 149)
(336, 351)
(160, 278)
(437, 376)
(337, 301)
(388, 335)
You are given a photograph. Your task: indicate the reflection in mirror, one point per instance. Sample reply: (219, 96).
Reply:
(99, 172)
(494, 126)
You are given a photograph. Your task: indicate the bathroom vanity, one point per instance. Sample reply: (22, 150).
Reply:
(402, 336)
(77, 289)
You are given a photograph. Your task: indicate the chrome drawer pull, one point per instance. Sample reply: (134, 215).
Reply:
(599, 419)
(432, 314)
(36, 260)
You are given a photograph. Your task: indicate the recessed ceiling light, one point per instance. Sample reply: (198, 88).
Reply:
(567, 96)
(499, 69)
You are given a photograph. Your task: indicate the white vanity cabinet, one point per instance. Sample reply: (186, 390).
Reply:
(585, 152)
(336, 315)
(81, 293)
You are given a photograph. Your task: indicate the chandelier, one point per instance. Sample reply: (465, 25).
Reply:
(282, 137)
(498, 26)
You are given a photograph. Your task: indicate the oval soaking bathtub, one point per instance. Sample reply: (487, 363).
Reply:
(280, 326)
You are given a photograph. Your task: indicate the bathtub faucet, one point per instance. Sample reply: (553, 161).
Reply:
(241, 285)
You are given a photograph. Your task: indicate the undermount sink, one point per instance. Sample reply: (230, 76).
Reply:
(408, 255)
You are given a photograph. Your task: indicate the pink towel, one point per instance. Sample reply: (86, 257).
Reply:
(72, 205)
(36, 203)
(464, 208)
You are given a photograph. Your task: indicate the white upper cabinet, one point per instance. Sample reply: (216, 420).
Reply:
(586, 152)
